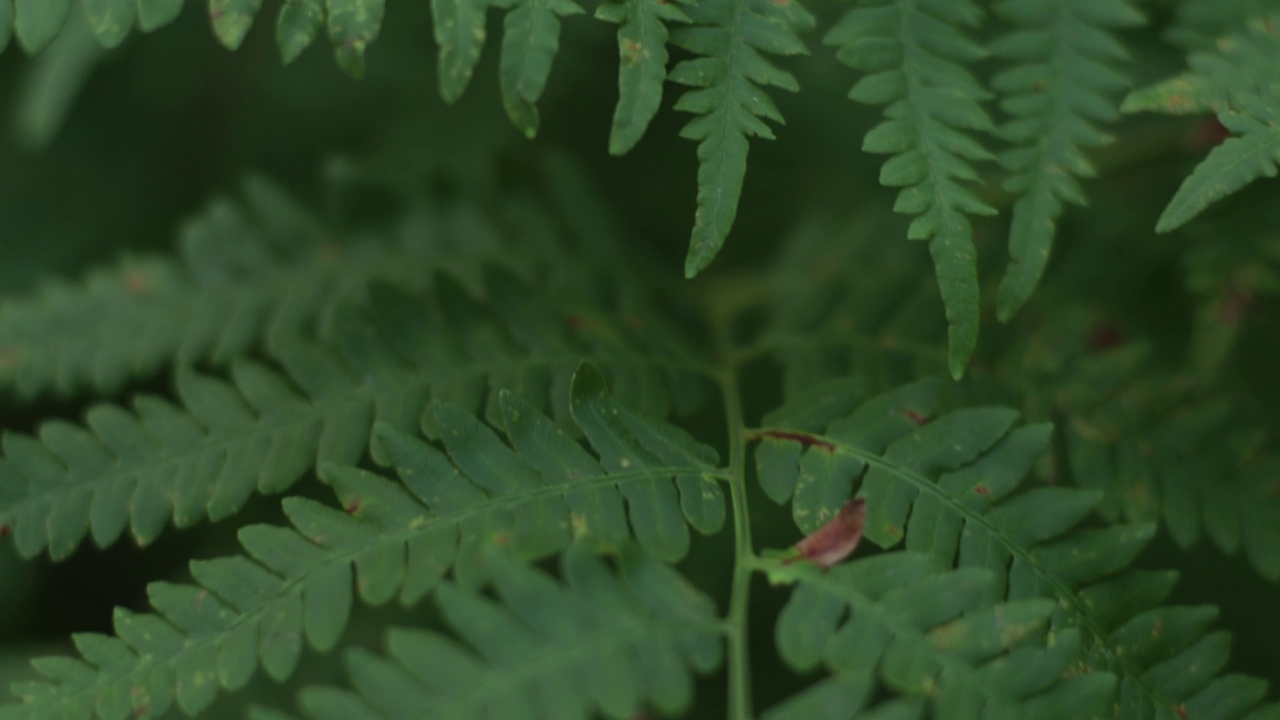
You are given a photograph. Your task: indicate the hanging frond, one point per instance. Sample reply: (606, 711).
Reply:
(397, 540)
(914, 54)
(931, 637)
(600, 643)
(731, 40)
(642, 64)
(1236, 82)
(263, 431)
(950, 487)
(530, 41)
(1060, 87)
(352, 24)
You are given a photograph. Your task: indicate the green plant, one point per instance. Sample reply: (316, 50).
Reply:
(530, 472)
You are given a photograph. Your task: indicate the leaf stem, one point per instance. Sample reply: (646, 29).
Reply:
(739, 593)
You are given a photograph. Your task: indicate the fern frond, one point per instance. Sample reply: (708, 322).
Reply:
(1198, 23)
(731, 40)
(1060, 87)
(397, 540)
(642, 64)
(947, 488)
(914, 53)
(530, 41)
(352, 24)
(1237, 83)
(600, 643)
(931, 637)
(264, 431)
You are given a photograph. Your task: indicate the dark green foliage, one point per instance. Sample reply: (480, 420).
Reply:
(529, 470)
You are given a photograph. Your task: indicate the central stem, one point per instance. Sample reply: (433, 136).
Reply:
(739, 593)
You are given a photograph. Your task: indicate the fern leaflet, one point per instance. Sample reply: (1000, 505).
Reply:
(397, 540)
(1059, 89)
(599, 643)
(931, 637)
(914, 54)
(888, 451)
(730, 39)
(1237, 84)
(642, 51)
(261, 434)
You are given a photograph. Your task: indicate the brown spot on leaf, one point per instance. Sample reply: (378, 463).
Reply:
(502, 539)
(5, 530)
(1039, 86)
(803, 438)
(838, 538)
(1208, 135)
(136, 283)
(1104, 337)
(1158, 629)
(916, 417)
(353, 506)
(1182, 712)
(575, 322)
(982, 490)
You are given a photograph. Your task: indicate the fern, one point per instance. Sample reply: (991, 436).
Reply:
(1058, 90)
(398, 541)
(642, 65)
(1235, 83)
(635, 638)
(260, 434)
(914, 54)
(827, 445)
(928, 635)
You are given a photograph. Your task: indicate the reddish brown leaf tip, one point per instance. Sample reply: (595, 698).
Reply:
(836, 540)
(353, 506)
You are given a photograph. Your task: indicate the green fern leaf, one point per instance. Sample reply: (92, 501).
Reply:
(399, 540)
(460, 33)
(1060, 88)
(155, 14)
(914, 55)
(600, 643)
(353, 24)
(730, 39)
(297, 27)
(231, 20)
(925, 635)
(642, 65)
(37, 22)
(530, 41)
(111, 20)
(889, 452)
(1237, 84)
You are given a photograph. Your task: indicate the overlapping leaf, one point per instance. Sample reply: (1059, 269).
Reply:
(598, 645)
(914, 54)
(642, 58)
(932, 638)
(398, 539)
(952, 487)
(1061, 85)
(265, 430)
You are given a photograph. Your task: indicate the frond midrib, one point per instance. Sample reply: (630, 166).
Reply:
(920, 482)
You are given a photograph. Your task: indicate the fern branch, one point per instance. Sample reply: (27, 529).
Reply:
(915, 55)
(970, 516)
(927, 635)
(728, 77)
(637, 640)
(260, 434)
(398, 540)
(1237, 84)
(1058, 91)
